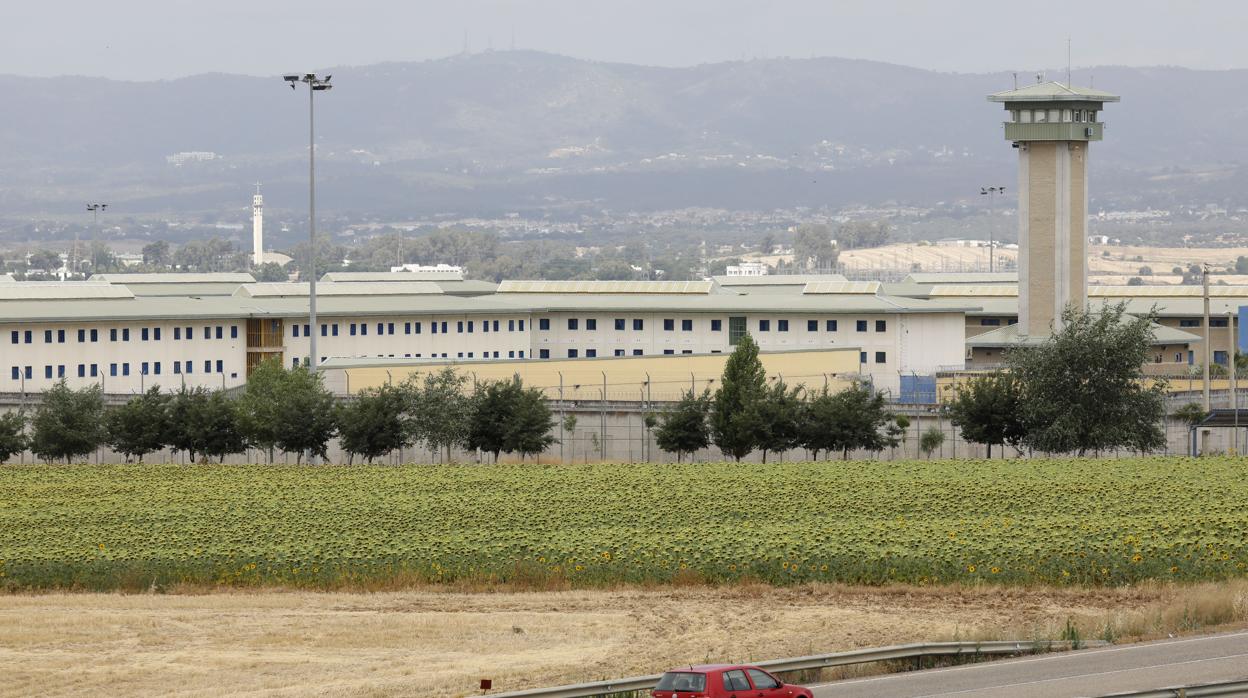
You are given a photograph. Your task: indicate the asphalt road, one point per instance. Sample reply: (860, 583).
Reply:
(1093, 672)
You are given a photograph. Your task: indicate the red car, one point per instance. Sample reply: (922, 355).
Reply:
(725, 681)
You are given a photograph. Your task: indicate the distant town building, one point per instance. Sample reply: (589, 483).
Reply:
(434, 270)
(179, 159)
(748, 269)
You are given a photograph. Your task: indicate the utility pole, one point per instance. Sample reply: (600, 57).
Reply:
(1204, 280)
(991, 193)
(1230, 367)
(95, 232)
(315, 85)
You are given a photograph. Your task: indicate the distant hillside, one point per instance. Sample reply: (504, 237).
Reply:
(525, 130)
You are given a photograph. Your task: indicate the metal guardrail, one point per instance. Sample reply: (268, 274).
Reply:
(816, 661)
(1221, 688)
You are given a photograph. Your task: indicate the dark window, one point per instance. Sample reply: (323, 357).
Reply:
(177, 366)
(234, 331)
(188, 334)
(543, 323)
(220, 366)
(638, 324)
(82, 370)
(433, 327)
(470, 324)
(47, 336)
(1189, 322)
(572, 354)
(511, 325)
(156, 367)
(82, 335)
(207, 366)
(407, 328)
(177, 333)
(125, 369)
(762, 680)
(363, 328)
(686, 351)
(881, 357)
(444, 332)
(669, 324)
(325, 329)
(143, 368)
(47, 371)
(682, 681)
(353, 329)
(522, 325)
(17, 373)
(189, 366)
(156, 334)
(207, 332)
(619, 323)
(415, 328)
(95, 335)
(543, 353)
(485, 325)
(572, 323)
(293, 328)
(829, 325)
(591, 353)
(60, 371)
(29, 336)
(862, 357)
(782, 325)
(638, 352)
(1217, 322)
(881, 325)
(764, 325)
(736, 330)
(496, 325)
(619, 352)
(812, 325)
(735, 681)
(717, 325)
(112, 335)
(29, 373)
(221, 336)
(860, 325)
(143, 334)
(669, 351)
(389, 328)
(112, 369)
(990, 321)
(15, 336)
(125, 334)
(686, 325)
(591, 323)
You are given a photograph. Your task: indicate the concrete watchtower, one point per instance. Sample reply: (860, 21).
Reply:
(1051, 124)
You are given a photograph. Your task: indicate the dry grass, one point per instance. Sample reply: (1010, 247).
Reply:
(440, 643)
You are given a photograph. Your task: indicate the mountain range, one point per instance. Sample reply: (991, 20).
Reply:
(493, 132)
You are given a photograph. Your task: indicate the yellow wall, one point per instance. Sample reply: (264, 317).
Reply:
(670, 375)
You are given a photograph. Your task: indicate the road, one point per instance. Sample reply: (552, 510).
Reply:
(1093, 672)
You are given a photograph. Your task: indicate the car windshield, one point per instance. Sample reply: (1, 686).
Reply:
(682, 681)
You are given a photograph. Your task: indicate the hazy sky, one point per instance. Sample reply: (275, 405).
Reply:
(151, 39)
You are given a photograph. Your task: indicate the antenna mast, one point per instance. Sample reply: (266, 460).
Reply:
(1068, 61)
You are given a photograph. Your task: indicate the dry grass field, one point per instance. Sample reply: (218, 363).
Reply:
(441, 643)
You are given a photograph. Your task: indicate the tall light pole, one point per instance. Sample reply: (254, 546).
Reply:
(95, 210)
(991, 193)
(315, 85)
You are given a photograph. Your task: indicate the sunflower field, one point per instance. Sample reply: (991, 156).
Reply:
(1088, 522)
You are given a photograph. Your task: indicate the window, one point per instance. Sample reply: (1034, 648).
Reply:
(82, 370)
(638, 352)
(207, 366)
(619, 323)
(459, 327)
(189, 334)
(1078, 116)
(47, 371)
(638, 324)
(390, 328)
(543, 353)
(572, 323)
(511, 354)
(686, 325)
(1040, 115)
(812, 325)
(112, 335)
(1024, 116)
(686, 351)
(156, 334)
(29, 336)
(125, 369)
(433, 328)
(407, 328)
(47, 336)
(691, 681)
(829, 325)
(522, 325)
(177, 367)
(60, 371)
(294, 362)
(860, 325)
(294, 329)
(221, 330)
(485, 325)
(82, 336)
(881, 357)
(591, 323)
(95, 335)
(511, 325)
(735, 681)
(619, 352)
(125, 334)
(881, 325)
(1217, 322)
(353, 329)
(207, 332)
(1189, 322)
(591, 353)
(862, 357)
(14, 336)
(543, 323)
(177, 333)
(717, 325)
(990, 322)
(17, 373)
(1219, 357)
(736, 330)
(156, 367)
(1055, 115)
(762, 680)
(444, 332)
(416, 328)
(143, 368)
(572, 353)
(496, 325)
(143, 334)
(669, 351)
(95, 370)
(669, 325)
(522, 353)
(234, 331)
(334, 329)
(470, 323)
(782, 325)
(363, 328)
(764, 325)
(189, 366)
(112, 369)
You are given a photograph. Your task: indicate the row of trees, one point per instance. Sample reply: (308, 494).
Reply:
(287, 410)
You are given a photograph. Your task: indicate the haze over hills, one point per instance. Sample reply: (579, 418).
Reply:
(488, 133)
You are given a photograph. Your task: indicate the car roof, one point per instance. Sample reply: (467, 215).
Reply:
(704, 668)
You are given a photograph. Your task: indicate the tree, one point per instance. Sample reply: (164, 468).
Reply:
(286, 409)
(1145, 271)
(779, 415)
(373, 424)
(1083, 390)
(140, 426)
(492, 407)
(857, 234)
(219, 434)
(901, 423)
(1190, 414)
(734, 413)
(270, 271)
(987, 410)
(440, 410)
(45, 260)
(768, 244)
(816, 428)
(931, 439)
(683, 429)
(156, 253)
(13, 439)
(528, 430)
(812, 247)
(1241, 265)
(1135, 281)
(68, 423)
(259, 407)
(859, 420)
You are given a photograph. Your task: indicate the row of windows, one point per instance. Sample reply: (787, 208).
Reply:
(1196, 322)
(114, 369)
(391, 328)
(669, 325)
(1040, 116)
(93, 335)
(513, 354)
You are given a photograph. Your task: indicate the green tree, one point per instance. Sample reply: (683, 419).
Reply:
(186, 411)
(493, 404)
(68, 423)
(260, 408)
(156, 253)
(140, 426)
(1190, 414)
(529, 429)
(931, 440)
(13, 439)
(219, 432)
(306, 415)
(812, 247)
(817, 429)
(858, 234)
(735, 419)
(374, 423)
(270, 271)
(779, 419)
(899, 430)
(1083, 389)
(860, 419)
(683, 429)
(987, 410)
(440, 410)
(45, 260)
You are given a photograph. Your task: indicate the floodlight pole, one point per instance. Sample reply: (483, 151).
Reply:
(1230, 367)
(991, 193)
(95, 209)
(1204, 281)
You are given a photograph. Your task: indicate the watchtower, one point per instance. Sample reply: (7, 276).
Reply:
(1051, 125)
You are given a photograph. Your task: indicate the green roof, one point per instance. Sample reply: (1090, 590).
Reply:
(1053, 92)
(1009, 336)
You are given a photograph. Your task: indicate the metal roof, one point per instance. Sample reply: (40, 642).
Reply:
(1053, 91)
(940, 277)
(845, 287)
(729, 303)
(1167, 291)
(175, 278)
(623, 287)
(1009, 336)
(777, 279)
(61, 290)
(289, 289)
(970, 291)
